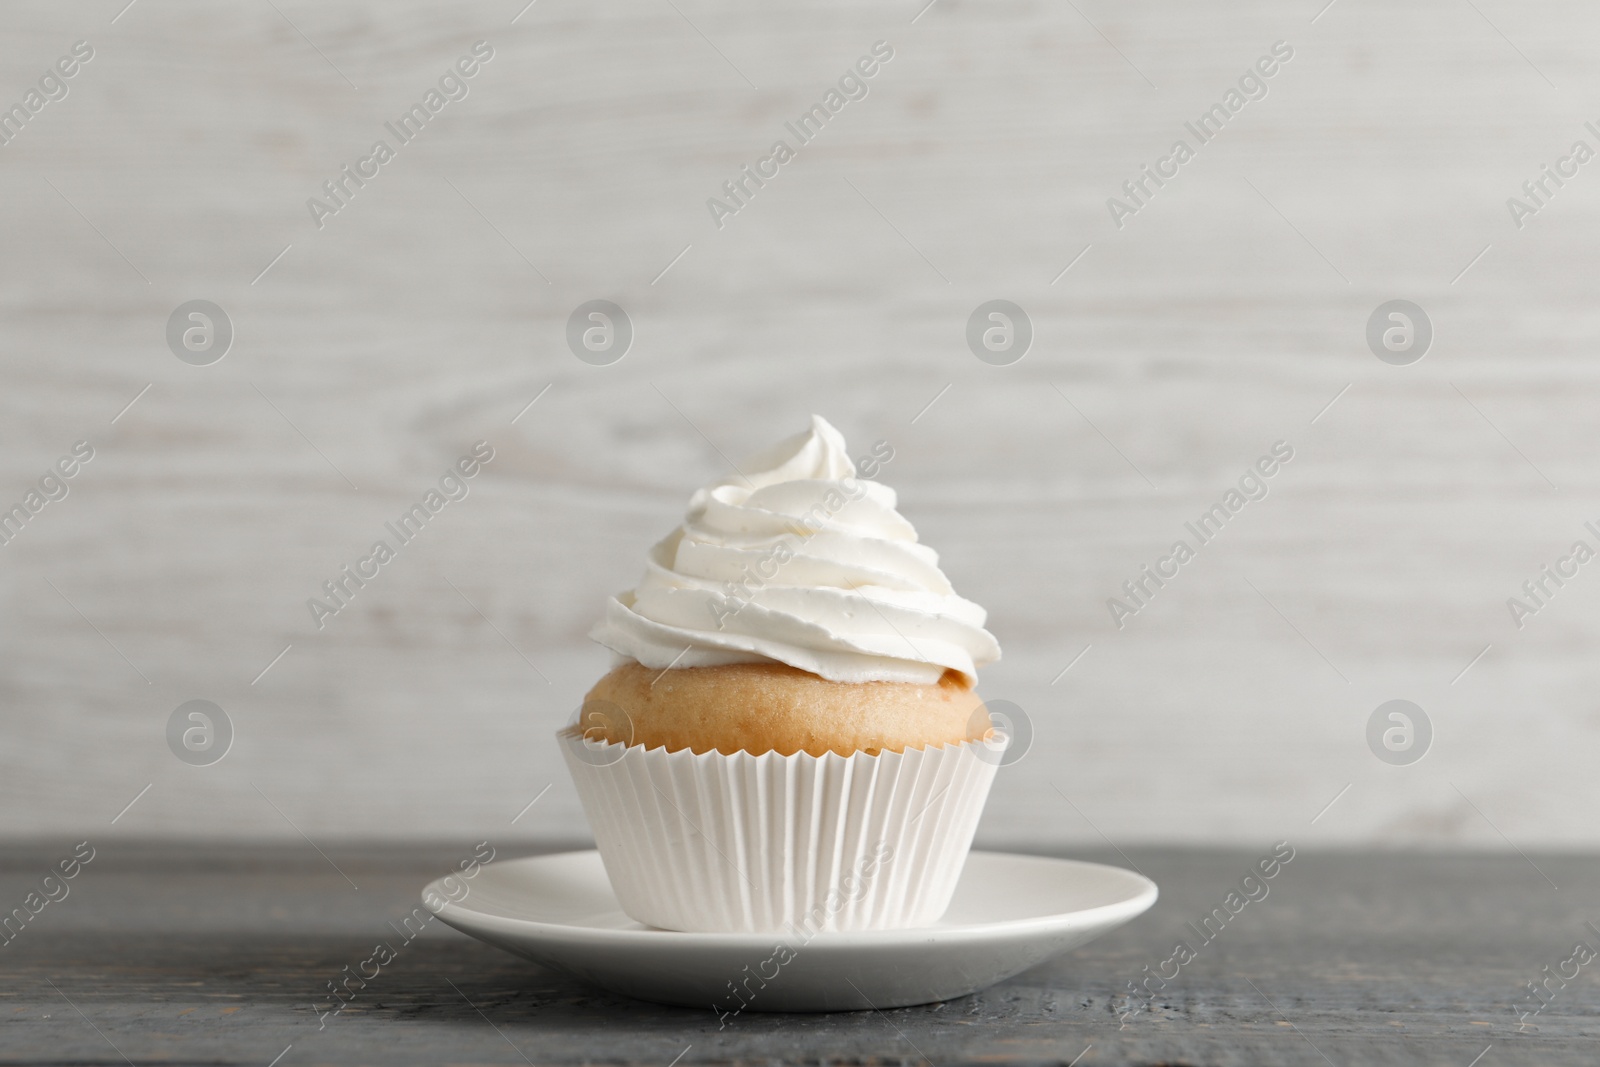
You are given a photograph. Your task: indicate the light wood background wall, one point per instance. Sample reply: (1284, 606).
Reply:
(1226, 315)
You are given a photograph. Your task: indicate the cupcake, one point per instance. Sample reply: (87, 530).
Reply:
(790, 738)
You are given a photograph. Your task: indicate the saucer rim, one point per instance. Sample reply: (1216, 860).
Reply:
(1117, 912)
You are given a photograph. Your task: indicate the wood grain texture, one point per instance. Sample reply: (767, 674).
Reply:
(181, 955)
(426, 314)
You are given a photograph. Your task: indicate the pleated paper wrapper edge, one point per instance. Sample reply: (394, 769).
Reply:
(770, 843)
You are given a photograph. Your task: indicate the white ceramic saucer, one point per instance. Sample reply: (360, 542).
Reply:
(1009, 913)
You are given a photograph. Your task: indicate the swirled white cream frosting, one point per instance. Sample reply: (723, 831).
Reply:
(797, 560)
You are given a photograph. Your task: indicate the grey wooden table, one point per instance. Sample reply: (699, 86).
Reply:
(164, 954)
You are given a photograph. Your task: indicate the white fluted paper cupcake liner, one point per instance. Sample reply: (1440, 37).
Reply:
(771, 843)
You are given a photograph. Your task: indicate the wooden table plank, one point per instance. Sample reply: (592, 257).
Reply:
(182, 955)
